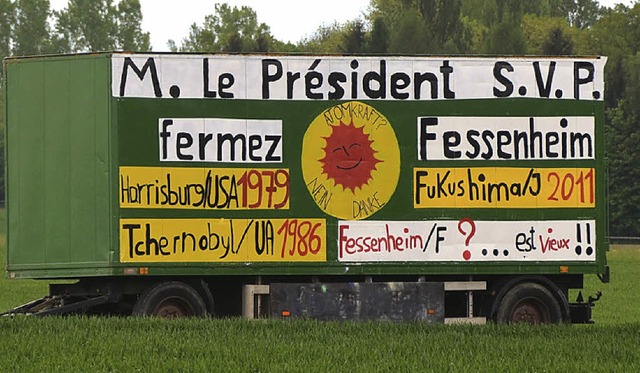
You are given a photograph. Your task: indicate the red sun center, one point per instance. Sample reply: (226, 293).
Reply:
(349, 158)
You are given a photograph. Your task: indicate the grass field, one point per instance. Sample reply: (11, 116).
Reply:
(128, 344)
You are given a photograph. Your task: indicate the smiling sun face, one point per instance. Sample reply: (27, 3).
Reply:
(349, 158)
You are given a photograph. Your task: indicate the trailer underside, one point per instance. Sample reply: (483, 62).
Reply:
(448, 299)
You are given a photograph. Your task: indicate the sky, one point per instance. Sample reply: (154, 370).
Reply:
(289, 20)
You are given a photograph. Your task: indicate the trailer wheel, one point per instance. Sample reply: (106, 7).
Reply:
(529, 303)
(170, 300)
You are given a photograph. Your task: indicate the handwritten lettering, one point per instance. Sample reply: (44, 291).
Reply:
(505, 138)
(349, 110)
(320, 193)
(504, 187)
(552, 243)
(349, 244)
(348, 77)
(230, 189)
(222, 240)
(465, 240)
(220, 140)
(526, 242)
(366, 206)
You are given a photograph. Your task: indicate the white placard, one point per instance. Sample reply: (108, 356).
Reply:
(220, 140)
(467, 240)
(505, 138)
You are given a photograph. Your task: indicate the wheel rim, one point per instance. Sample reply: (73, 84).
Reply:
(530, 311)
(173, 308)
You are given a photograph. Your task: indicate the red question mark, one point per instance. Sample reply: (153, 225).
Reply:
(467, 254)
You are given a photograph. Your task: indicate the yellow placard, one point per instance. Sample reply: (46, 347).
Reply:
(503, 187)
(204, 188)
(223, 240)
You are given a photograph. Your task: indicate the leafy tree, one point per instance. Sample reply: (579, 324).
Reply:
(326, 40)
(581, 13)
(623, 155)
(422, 26)
(616, 81)
(616, 32)
(99, 25)
(478, 35)
(506, 37)
(447, 25)
(616, 35)
(354, 37)
(377, 40)
(171, 44)
(537, 32)
(130, 34)
(233, 42)
(7, 20)
(411, 35)
(549, 35)
(557, 43)
(229, 30)
(31, 31)
(536, 19)
(483, 11)
(505, 34)
(87, 25)
(543, 8)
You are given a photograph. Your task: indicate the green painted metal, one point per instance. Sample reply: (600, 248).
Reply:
(67, 137)
(59, 163)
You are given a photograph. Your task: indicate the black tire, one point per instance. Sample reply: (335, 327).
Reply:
(170, 300)
(529, 303)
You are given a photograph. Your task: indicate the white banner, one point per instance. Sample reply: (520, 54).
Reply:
(277, 77)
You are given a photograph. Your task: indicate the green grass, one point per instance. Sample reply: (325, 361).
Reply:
(620, 302)
(15, 292)
(128, 344)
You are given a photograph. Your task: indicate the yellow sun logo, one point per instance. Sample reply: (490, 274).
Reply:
(350, 160)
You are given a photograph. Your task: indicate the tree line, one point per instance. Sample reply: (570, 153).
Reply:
(487, 27)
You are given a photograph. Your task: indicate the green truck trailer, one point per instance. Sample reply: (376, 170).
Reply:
(443, 189)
